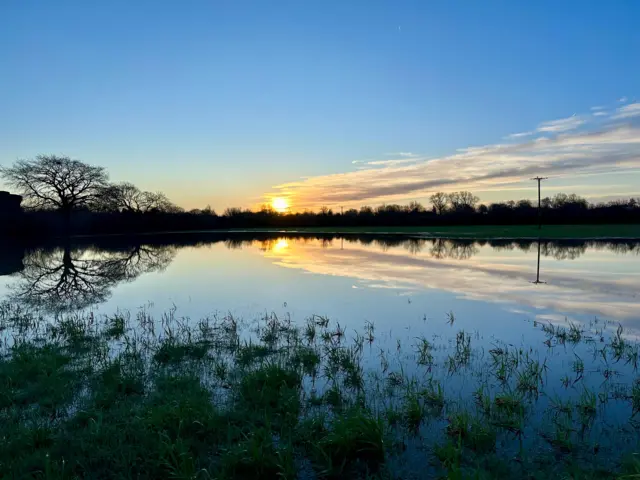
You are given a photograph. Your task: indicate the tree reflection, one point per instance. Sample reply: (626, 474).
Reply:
(67, 279)
(564, 252)
(438, 248)
(454, 249)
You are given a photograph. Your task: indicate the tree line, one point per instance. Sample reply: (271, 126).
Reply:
(62, 195)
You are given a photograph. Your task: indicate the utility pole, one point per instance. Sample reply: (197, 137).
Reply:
(341, 210)
(538, 270)
(539, 179)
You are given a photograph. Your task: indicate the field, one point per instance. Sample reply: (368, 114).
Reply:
(550, 232)
(123, 397)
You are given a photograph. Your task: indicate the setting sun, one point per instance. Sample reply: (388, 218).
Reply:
(280, 204)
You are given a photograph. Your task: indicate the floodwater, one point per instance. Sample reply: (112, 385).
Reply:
(501, 295)
(395, 282)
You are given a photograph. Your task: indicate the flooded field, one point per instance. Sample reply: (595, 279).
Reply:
(391, 357)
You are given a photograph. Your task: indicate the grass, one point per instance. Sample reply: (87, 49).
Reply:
(488, 231)
(83, 397)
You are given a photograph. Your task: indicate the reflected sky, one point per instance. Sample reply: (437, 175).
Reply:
(573, 280)
(396, 281)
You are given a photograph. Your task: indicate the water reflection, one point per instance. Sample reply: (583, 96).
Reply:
(475, 270)
(441, 248)
(11, 256)
(537, 281)
(63, 279)
(544, 279)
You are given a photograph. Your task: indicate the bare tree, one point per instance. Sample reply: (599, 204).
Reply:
(122, 196)
(157, 202)
(52, 182)
(439, 201)
(129, 198)
(232, 212)
(415, 207)
(461, 201)
(209, 211)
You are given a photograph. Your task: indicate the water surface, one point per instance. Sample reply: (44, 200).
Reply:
(500, 295)
(396, 282)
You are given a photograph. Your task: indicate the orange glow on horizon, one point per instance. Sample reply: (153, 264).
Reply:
(280, 204)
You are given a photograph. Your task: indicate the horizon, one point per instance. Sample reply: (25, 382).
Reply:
(243, 104)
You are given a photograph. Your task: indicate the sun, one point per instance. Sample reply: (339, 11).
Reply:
(280, 204)
(281, 245)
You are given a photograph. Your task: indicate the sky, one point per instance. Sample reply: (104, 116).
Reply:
(233, 103)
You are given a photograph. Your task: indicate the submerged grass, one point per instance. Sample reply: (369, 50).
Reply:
(82, 397)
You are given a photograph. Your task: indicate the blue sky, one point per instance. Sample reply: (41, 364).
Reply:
(222, 102)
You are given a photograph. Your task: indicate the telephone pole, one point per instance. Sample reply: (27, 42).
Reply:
(538, 270)
(539, 179)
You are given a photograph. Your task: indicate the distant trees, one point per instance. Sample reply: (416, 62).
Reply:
(126, 197)
(120, 197)
(415, 207)
(562, 200)
(51, 182)
(439, 202)
(456, 201)
(55, 183)
(463, 201)
(232, 212)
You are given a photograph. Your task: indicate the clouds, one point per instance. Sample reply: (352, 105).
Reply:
(571, 146)
(406, 154)
(561, 125)
(520, 135)
(628, 111)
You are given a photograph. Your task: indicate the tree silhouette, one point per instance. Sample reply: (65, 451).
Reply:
(126, 197)
(58, 183)
(67, 279)
(463, 201)
(439, 201)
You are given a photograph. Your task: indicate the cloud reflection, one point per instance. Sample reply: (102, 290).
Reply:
(598, 285)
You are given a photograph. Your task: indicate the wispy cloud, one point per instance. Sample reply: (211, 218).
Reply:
(628, 111)
(566, 151)
(400, 161)
(623, 99)
(519, 135)
(402, 154)
(593, 109)
(600, 113)
(385, 163)
(561, 125)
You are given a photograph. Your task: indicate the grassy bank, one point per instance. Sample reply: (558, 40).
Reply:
(550, 232)
(121, 397)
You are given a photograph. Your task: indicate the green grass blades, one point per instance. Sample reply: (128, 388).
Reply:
(116, 397)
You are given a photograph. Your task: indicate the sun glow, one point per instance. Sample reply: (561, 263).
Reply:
(280, 204)
(280, 245)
